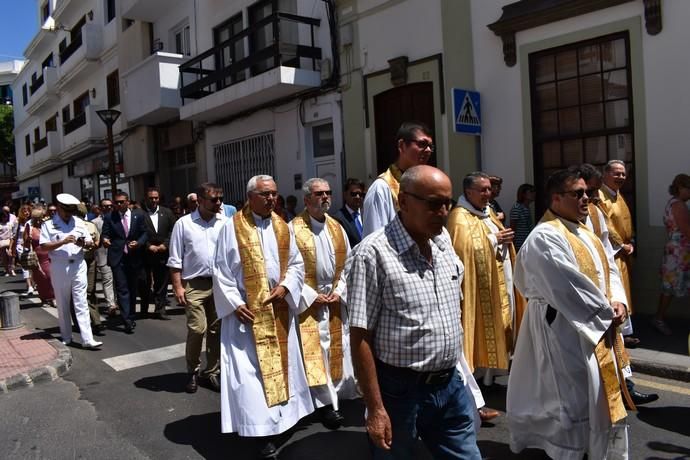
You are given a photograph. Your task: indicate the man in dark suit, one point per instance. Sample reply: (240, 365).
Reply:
(159, 224)
(124, 234)
(349, 215)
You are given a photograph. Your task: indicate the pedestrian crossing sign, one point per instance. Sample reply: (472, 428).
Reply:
(467, 112)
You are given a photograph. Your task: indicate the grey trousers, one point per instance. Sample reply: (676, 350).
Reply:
(106, 279)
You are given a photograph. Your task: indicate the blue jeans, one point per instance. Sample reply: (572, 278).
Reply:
(442, 415)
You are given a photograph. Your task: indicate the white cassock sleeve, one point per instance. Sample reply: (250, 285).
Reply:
(294, 276)
(548, 263)
(227, 269)
(309, 295)
(378, 208)
(228, 285)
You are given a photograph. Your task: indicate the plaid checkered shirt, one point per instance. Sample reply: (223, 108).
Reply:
(410, 307)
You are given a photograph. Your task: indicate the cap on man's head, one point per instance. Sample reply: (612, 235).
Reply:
(66, 199)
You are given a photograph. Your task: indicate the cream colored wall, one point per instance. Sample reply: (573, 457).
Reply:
(660, 101)
(443, 28)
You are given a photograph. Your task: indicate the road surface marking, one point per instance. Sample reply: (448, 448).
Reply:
(144, 358)
(51, 311)
(662, 386)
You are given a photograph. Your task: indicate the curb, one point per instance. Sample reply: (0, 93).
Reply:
(46, 373)
(665, 371)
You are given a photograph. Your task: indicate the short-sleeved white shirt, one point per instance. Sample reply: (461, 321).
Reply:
(55, 229)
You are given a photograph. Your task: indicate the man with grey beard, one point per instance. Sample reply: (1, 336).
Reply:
(323, 324)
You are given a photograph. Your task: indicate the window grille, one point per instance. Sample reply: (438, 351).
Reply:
(238, 161)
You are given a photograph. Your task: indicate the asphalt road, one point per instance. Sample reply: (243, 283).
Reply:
(142, 412)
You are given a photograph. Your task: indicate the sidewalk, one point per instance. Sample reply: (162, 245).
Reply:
(658, 354)
(28, 357)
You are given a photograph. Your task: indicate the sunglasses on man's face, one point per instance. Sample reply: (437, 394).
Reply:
(120, 201)
(356, 194)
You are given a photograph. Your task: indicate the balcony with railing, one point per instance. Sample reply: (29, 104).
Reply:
(283, 61)
(151, 88)
(47, 147)
(83, 133)
(85, 48)
(43, 91)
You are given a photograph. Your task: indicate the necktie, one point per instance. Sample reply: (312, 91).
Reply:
(358, 224)
(125, 225)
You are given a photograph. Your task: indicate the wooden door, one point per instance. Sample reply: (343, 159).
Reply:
(413, 102)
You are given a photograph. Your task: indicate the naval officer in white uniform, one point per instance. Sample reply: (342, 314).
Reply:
(66, 236)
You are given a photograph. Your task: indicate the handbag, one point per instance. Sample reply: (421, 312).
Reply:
(29, 260)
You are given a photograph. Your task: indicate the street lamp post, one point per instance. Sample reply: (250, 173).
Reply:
(109, 116)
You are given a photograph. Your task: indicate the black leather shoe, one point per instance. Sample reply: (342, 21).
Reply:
(331, 419)
(129, 328)
(268, 450)
(643, 398)
(214, 382)
(134, 324)
(193, 383)
(98, 330)
(161, 314)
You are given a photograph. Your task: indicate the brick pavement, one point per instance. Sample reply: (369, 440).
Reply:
(21, 350)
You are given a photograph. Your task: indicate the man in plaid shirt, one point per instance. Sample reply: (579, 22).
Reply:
(406, 338)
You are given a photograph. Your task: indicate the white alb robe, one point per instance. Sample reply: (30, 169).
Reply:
(378, 208)
(556, 400)
(243, 404)
(346, 388)
(603, 230)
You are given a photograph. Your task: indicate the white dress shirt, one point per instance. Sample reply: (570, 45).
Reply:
(193, 244)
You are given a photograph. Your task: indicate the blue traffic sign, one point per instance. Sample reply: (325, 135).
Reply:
(467, 112)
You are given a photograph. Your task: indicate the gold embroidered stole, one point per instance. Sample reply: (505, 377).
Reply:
(392, 177)
(609, 369)
(594, 216)
(620, 232)
(308, 323)
(488, 337)
(271, 321)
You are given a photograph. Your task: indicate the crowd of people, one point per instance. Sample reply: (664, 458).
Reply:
(404, 296)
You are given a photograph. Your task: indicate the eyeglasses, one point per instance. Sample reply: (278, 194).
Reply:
(216, 199)
(120, 201)
(267, 193)
(434, 204)
(423, 144)
(323, 193)
(579, 193)
(356, 194)
(481, 190)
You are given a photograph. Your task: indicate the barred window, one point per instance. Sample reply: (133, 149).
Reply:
(239, 160)
(581, 98)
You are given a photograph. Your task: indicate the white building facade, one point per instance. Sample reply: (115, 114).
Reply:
(71, 72)
(564, 83)
(261, 93)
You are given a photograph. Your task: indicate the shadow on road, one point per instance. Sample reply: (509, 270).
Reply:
(668, 448)
(339, 445)
(39, 335)
(171, 383)
(202, 432)
(492, 450)
(666, 418)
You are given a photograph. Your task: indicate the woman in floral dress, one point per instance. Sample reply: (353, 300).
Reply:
(675, 266)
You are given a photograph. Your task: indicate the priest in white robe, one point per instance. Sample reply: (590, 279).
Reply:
(566, 389)
(324, 328)
(264, 389)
